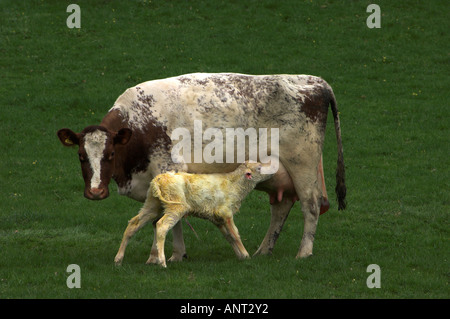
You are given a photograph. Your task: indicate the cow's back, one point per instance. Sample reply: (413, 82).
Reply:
(219, 100)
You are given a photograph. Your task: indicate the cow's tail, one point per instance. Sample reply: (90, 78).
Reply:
(340, 189)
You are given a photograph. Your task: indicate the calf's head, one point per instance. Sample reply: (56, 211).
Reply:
(255, 173)
(96, 151)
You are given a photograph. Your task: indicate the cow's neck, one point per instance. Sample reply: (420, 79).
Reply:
(130, 158)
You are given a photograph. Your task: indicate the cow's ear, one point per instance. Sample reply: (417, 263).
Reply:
(68, 137)
(123, 136)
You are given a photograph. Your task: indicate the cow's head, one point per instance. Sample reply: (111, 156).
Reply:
(96, 148)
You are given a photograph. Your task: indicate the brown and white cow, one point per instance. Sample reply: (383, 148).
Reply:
(133, 142)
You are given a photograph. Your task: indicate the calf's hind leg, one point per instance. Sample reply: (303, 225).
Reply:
(149, 212)
(172, 215)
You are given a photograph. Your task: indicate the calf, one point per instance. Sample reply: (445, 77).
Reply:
(215, 197)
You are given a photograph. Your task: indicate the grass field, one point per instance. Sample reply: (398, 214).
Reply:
(392, 87)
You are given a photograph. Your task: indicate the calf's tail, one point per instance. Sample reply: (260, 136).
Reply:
(156, 192)
(341, 189)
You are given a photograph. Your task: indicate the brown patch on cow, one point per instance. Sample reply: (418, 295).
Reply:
(135, 156)
(147, 100)
(184, 80)
(315, 107)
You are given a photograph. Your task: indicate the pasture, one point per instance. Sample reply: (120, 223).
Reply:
(392, 87)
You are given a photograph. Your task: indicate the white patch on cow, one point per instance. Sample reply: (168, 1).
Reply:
(136, 103)
(94, 146)
(137, 187)
(129, 110)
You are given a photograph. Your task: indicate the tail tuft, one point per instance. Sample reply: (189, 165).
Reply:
(341, 189)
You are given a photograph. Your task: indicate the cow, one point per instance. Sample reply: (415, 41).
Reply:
(133, 142)
(215, 197)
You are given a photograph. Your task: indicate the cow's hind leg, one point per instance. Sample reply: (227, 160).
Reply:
(311, 210)
(149, 212)
(307, 187)
(279, 212)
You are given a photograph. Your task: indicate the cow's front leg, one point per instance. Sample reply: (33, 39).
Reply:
(179, 249)
(279, 211)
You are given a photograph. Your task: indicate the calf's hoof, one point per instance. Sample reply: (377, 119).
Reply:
(244, 256)
(118, 260)
(155, 261)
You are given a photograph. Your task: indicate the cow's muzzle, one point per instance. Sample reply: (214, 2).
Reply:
(96, 193)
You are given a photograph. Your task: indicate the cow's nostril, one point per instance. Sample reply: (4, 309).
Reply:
(97, 191)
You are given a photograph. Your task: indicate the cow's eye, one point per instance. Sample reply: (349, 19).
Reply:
(111, 156)
(82, 158)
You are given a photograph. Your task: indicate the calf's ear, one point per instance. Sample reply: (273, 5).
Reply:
(123, 136)
(68, 137)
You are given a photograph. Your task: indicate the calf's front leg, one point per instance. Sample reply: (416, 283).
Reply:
(231, 233)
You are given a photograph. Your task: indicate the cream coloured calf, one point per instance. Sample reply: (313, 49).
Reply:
(215, 197)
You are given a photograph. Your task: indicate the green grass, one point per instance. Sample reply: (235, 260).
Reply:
(392, 89)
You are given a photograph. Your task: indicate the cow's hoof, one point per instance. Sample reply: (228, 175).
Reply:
(303, 255)
(262, 251)
(177, 257)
